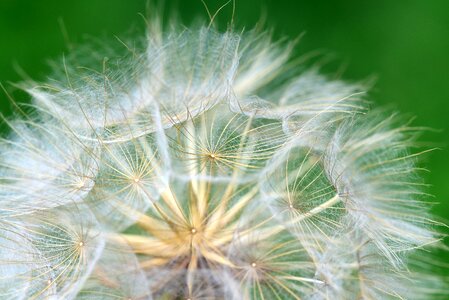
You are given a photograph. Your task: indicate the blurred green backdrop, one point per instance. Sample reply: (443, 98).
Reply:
(404, 43)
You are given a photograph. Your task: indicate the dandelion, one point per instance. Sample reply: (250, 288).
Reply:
(202, 165)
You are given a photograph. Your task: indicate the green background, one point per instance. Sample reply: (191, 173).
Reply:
(403, 43)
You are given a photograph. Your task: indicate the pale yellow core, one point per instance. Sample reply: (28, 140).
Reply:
(212, 156)
(82, 182)
(203, 231)
(136, 179)
(81, 244)
(253, 264)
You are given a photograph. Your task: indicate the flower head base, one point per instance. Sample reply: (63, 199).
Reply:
(196, 169)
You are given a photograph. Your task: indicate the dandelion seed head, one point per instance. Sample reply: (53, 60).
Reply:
(202, 165)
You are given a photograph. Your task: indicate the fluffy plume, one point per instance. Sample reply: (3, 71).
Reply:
(208, 165)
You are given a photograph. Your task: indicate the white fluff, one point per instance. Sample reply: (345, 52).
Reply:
(211, 169)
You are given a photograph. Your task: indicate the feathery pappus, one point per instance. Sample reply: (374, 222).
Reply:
(209, 165)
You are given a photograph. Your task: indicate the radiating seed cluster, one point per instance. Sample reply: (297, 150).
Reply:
(207, 165)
